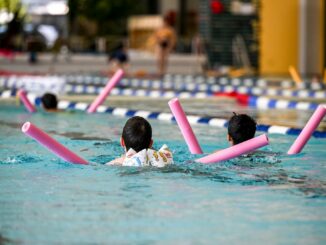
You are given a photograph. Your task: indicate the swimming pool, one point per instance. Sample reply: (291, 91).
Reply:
(271, 199)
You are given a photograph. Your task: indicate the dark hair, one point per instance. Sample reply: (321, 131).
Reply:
(241, 128)
(49, 101)
(137, 133)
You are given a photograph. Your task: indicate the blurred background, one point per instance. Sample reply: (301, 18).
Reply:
(213, 37)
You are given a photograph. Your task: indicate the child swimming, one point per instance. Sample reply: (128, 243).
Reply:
(49, 102)
(241, 128)
(137, 142)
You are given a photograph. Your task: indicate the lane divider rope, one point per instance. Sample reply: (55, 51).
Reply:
(163, 116)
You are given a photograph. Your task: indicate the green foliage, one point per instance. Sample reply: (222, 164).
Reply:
(9, 5)
(109, 15)
(14, 27)
(13, 6)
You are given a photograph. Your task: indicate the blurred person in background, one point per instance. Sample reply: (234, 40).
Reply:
(165, 40)
(49, 102)
(60, 48)
(32, 47)
(118, 58)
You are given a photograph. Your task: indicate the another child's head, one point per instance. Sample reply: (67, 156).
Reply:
(137, 134)
(49, 101)
(241, 128)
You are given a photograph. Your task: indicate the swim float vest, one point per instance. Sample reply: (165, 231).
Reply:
(148, 157)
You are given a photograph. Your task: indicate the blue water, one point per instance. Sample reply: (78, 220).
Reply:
(271, 198)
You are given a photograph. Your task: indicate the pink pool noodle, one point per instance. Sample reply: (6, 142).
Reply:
(236, 150)
(184, 126)
(44, 139)
(23, 97)
(308, 130)
(107, 89)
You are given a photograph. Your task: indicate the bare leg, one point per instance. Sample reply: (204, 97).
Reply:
(158, 52)
(162, 60)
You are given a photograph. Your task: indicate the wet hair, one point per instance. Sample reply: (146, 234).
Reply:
(137, 133)
(49, 101)
(241, 128)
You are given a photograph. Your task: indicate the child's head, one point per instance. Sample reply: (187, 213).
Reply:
(49, 101)
(241, 128)
(137, 134)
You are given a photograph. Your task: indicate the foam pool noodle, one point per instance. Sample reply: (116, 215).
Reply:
(184, 126)
(23, 97)
(51, 144)
(107, 89)
(294, 74)
(308, 130)
(236, 150)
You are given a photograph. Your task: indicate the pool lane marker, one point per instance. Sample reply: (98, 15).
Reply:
(220, 85)
(263, 102)
(248, 81)
(163, 116)
(204, 90)
(195, 88)
(260, 102)
(208, 91)
(181, 80)
(169, 81)
(51, 144)
(254, 101)
(211, 121)
(185, 79)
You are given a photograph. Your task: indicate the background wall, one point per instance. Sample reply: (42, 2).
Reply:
(279, 38)
(292, 33)
(312, 37)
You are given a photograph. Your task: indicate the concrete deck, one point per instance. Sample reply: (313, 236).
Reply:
(92, 63)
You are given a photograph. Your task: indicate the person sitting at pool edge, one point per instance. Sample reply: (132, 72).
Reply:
(137, 142)
(49, 102)
(241, 128)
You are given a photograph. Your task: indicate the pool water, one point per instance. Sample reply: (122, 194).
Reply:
(270, 198)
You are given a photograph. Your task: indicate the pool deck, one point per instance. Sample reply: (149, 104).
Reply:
(141, 62)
